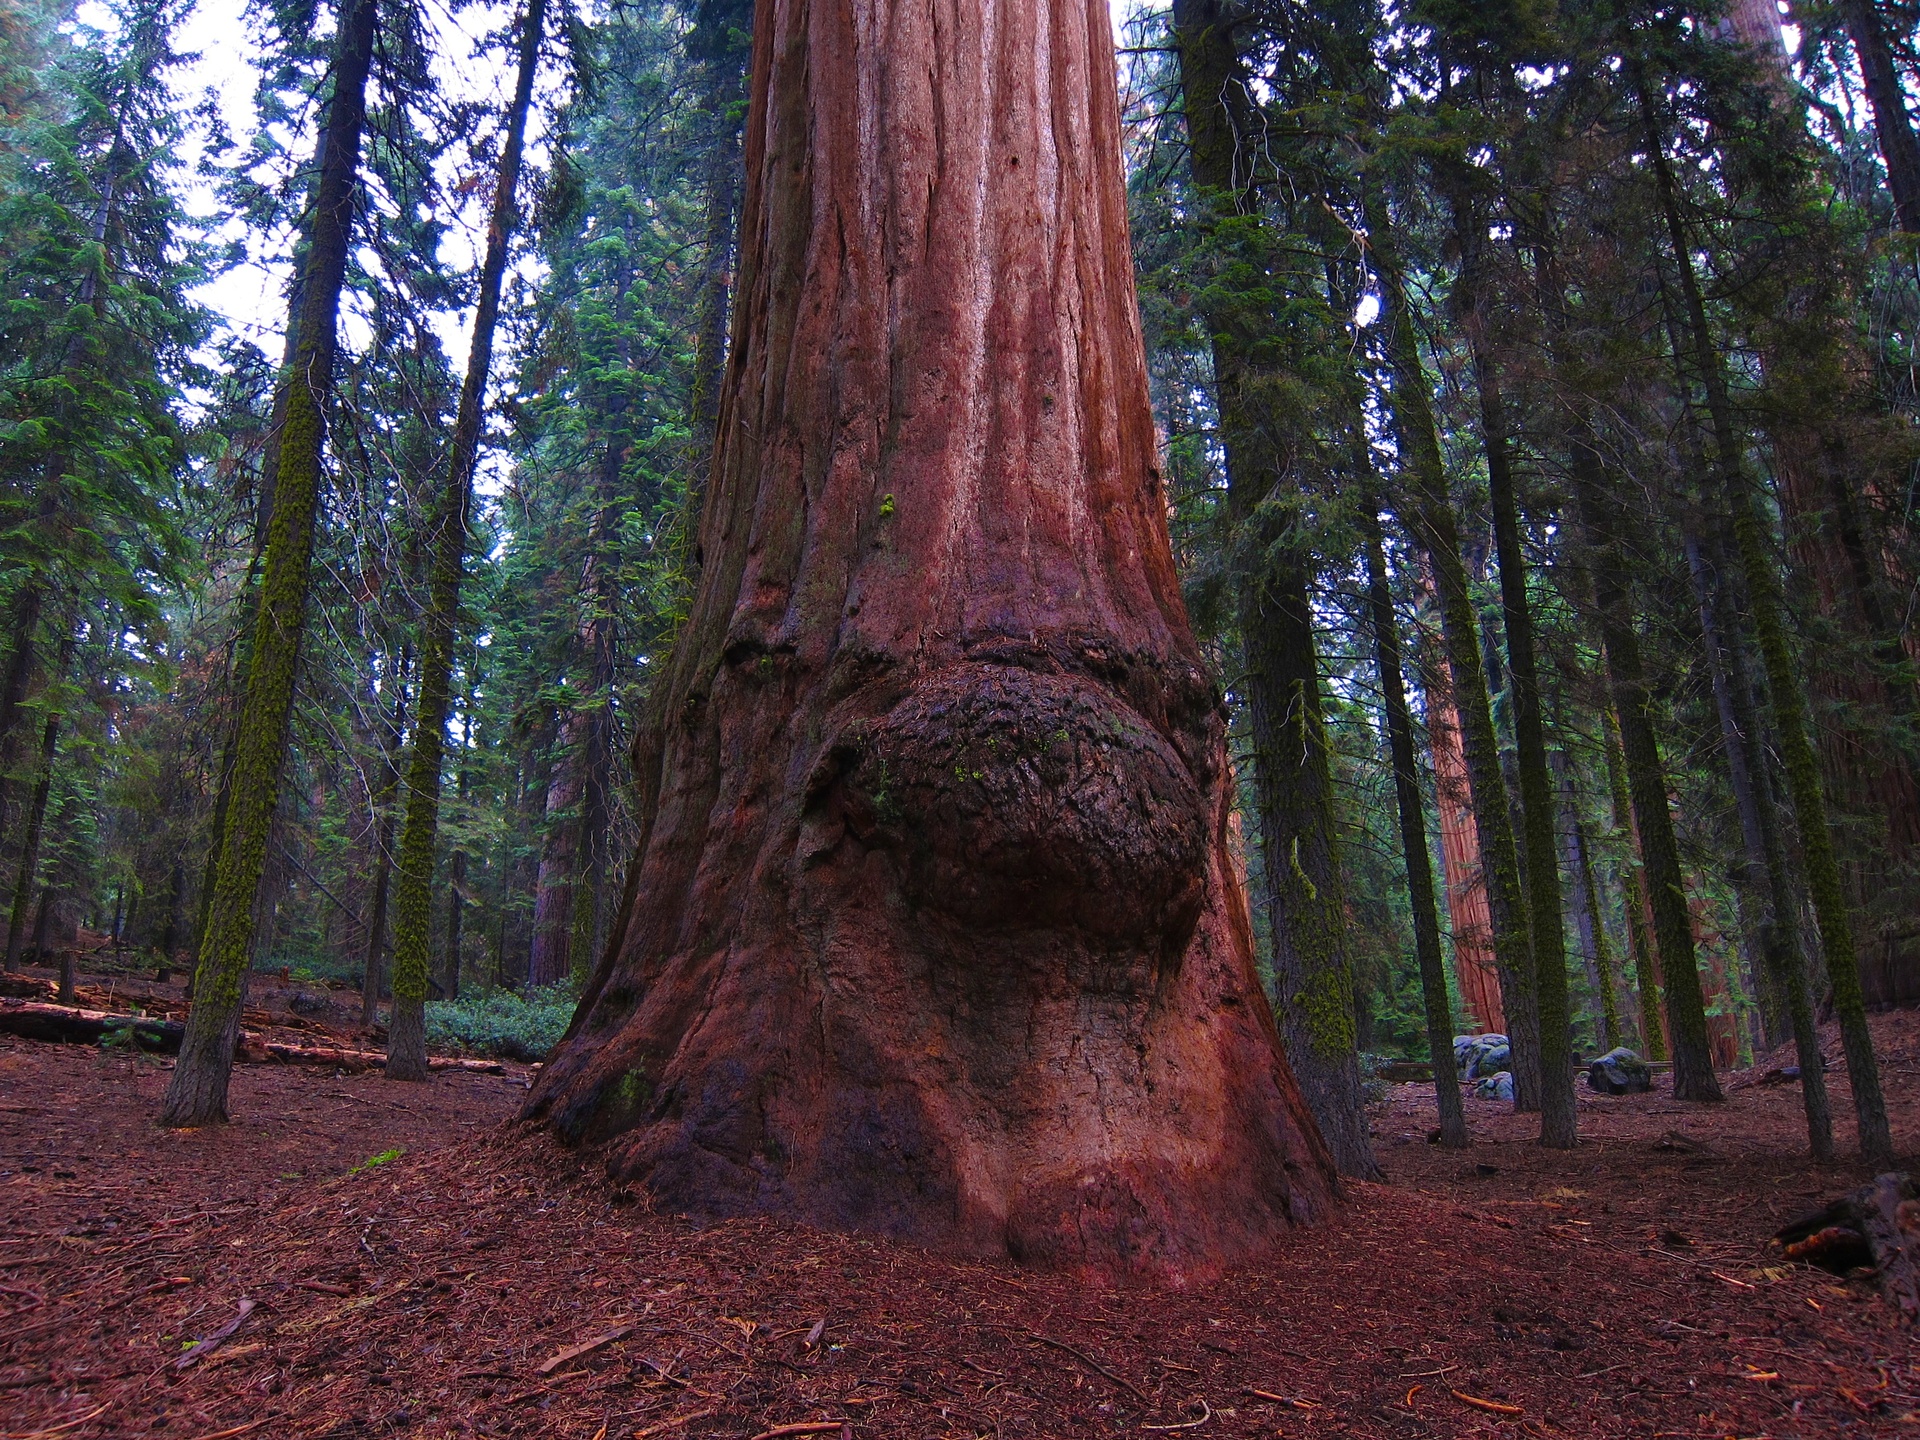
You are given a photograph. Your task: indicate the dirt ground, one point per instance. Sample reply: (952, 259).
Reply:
(1624, 1289)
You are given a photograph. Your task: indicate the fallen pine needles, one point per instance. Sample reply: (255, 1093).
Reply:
(1186, 1424)
(687, 1419)
(59, 1429)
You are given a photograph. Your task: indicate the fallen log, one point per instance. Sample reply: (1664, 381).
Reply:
(32, 1020)
(359, 1059)
(1876, 1226)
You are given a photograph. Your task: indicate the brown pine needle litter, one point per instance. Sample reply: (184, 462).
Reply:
(450, 1292)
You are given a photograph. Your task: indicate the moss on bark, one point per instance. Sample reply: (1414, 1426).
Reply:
(413, 900)
(197, 1093)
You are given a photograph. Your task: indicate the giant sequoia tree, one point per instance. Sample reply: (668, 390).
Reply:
(933, 926)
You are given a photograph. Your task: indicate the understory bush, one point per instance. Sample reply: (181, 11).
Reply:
(505, 1023)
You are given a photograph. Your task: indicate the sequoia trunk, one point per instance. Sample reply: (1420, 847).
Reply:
(934, 926)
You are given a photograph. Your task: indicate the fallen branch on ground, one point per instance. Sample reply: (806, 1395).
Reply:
(32, 1020)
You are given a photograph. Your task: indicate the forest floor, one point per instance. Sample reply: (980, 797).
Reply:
(1624, 1289)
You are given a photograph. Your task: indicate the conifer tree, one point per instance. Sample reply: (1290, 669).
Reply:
(407, 1040)
(197, 1092)
(1437, 528)
(1293, 778)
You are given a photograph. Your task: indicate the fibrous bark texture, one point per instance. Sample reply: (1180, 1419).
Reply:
(1474, 964)
(933, 927)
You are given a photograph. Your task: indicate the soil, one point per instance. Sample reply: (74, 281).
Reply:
(1623, 1289)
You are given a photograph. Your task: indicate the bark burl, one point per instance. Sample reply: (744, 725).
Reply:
(933, 928)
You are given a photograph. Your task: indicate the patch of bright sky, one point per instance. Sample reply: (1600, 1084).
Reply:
(249, 297)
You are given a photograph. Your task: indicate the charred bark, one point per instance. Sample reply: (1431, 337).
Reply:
(1876, 1227)
(934, 926)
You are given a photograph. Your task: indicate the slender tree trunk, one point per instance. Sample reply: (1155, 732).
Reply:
(596, 814)
(1586, 905)
(456, 903)
(550, 960)
(1633, 895)
(1292, 767)
(724, 64)
(23, 622)
(1772, 928)
(37, 808)
(1899, 147)
(413, 925)
(938, 686)
(170, 929)
(1412, 811)
(383, 818)
(1439, 536)
(373, 975)
(1693, 1077)
(599, 644)
(197, 1092)
(1783, 681)
(30, 843)
(1559, 1126)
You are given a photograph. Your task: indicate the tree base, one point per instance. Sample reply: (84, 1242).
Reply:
(407, 1041)
(197, 1093)
(997, 998)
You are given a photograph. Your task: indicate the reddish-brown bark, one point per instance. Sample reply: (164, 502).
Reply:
(1468, 914)
(933, 927)
(551, 960)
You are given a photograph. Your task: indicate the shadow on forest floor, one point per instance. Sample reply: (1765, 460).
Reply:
(1621, 1290)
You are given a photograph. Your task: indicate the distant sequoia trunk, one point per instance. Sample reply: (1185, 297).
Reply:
(933, 928)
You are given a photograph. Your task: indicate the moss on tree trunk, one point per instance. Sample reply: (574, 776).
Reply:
(413, 899)
(1280, 679)
(197, 1092)
(1438, 533)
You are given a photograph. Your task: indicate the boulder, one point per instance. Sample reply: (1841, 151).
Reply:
(1477, 1055)
(1619, 1072)
(1495, 1087)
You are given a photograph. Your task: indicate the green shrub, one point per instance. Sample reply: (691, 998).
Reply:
(511, 1025)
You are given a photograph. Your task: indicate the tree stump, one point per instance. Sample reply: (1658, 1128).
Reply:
(935, 928)
(1875, 1226)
